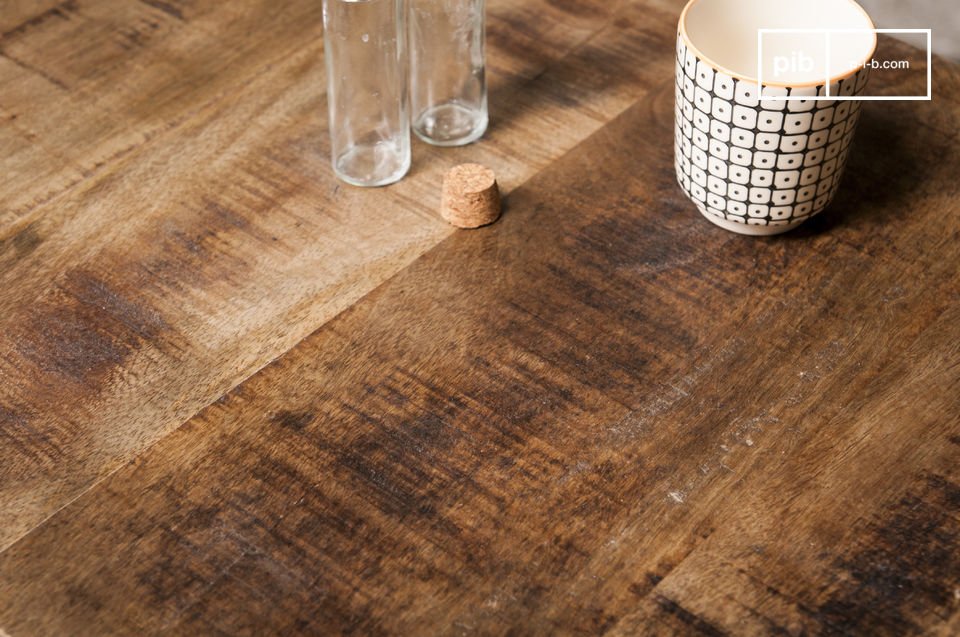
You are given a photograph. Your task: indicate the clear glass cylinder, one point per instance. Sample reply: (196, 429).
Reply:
(366, 59)
(448, 88)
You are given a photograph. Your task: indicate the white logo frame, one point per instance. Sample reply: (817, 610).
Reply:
(840, 98)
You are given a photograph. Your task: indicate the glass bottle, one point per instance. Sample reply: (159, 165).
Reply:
(366, 59)
(448, 89)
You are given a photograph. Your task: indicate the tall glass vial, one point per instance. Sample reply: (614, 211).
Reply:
(366, 57)
(448, 88)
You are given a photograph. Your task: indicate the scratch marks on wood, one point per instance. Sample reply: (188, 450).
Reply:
(35, 70)
(691, 621)
(167, 7)
(440, 455)
(62, 11)
(32, 442)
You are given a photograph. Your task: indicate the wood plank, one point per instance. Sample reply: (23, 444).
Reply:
(601, 414)
(18, 15)
(94, 79)
(206, 235)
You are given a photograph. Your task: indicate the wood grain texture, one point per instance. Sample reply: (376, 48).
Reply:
(169, 222)
(599, 415)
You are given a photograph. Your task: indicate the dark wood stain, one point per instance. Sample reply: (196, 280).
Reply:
(61, 11)
(21, 244)
(601, 415)
(234, 236)
(296, 420)
(690, 621)
(590, 8)
(169, 8)
(87, 328)
(902, 566)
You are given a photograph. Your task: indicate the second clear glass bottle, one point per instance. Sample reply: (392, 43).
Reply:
(448, 89)
(366, 59)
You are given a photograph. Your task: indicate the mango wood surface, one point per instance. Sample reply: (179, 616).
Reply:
(600, 415)
(169, 222)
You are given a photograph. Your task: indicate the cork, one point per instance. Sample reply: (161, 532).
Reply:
(471, 197)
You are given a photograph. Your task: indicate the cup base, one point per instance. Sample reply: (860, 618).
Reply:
(748, 229)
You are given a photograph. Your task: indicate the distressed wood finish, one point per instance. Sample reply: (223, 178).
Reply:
(600, 415)
(169, 222)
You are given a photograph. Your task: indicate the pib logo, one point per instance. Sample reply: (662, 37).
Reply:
(796, 62)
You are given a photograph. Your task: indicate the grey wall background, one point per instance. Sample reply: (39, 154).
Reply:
(943, 16)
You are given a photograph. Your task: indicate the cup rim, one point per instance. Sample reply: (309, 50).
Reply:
(744, 78)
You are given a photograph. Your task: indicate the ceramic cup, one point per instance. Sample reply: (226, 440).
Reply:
(762, 161)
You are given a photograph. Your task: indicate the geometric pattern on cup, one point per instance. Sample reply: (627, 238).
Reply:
(760, 161)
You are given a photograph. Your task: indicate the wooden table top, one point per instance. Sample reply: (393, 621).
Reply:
(237, 397)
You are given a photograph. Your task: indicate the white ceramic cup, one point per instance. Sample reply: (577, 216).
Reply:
(762, 161)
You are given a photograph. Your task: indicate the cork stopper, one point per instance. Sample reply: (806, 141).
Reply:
(471, 197)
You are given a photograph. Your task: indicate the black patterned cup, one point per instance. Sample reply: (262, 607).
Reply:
(762, 161)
